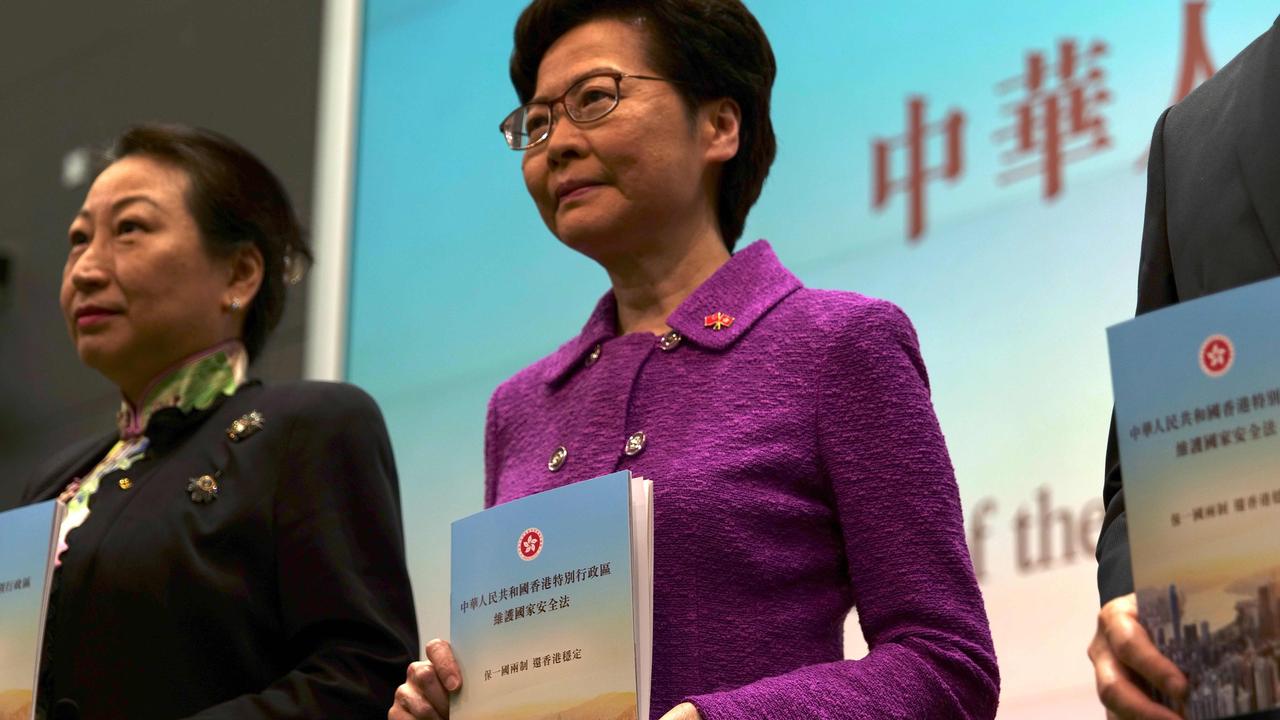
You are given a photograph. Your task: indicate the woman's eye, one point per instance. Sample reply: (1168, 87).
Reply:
(592, 97)
(127, 226)
(78, 238)
(535, 124)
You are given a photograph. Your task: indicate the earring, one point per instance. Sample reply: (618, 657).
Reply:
(235, 304)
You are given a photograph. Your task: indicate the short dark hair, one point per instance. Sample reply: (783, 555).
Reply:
(714, 48)
(234, 199)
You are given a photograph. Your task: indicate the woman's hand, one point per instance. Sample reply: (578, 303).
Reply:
(683, 711)
(1122, 651)
(425, 692)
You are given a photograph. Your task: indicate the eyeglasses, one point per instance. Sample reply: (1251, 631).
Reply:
(587, 100)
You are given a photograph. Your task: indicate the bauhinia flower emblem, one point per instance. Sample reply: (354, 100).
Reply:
(1217, 355)
(529, 546)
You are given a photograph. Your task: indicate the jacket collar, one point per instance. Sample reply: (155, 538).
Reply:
(1259, 146)
(191, 384)
(742, 291)
(166, 427)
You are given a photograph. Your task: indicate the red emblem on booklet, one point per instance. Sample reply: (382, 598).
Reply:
(530, 545)
(1217, 354)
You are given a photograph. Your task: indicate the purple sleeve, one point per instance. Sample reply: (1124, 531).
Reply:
(492, 458)
(910, 573)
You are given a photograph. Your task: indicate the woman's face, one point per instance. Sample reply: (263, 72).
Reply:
(621, 183)
(139, 290)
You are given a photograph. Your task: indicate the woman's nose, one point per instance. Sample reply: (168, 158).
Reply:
(564, 138)
(91, 268)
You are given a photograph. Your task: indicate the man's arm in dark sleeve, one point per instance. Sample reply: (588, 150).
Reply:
(1156, 289)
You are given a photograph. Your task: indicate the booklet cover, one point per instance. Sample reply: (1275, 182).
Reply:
(552, 604)
(28, 540)
(1197, 391)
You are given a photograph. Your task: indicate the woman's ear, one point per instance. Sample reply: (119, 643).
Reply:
(721, 123)
(246, 267)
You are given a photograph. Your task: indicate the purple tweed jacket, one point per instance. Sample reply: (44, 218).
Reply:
(798, 471)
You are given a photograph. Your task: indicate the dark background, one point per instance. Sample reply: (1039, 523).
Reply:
(73, 74)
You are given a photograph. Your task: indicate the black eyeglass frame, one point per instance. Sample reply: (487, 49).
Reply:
(551, 106)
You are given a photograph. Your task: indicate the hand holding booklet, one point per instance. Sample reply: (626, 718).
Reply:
(1197, 389)
(28, 542)
(552, 604)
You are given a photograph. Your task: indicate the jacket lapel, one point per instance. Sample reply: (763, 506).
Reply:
(1259, 146)
(67, 465)
(170, 432)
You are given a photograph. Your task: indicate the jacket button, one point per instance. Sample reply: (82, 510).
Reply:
(635, 443)
(670, 341)
(557, 459)
(125, 483)
(594, 355)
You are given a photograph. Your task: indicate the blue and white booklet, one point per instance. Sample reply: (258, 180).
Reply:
(1197, 391)
(552, 604)
(28, 543)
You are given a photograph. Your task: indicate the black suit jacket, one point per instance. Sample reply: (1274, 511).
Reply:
(285, 597)
(1212, 223)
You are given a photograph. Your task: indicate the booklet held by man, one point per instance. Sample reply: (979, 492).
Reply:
(552, 604)
(28, 542)
(1197, 391)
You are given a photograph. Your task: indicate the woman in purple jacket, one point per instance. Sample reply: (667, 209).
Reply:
(798, 467)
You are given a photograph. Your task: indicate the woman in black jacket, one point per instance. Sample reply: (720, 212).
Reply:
(231, 549)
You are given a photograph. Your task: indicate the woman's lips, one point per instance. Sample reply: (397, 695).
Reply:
(93, 318)
(578, 192)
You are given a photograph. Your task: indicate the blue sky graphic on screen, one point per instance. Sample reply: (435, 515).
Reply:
(582, 622)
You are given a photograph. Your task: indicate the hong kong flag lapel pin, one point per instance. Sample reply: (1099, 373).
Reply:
(717, 321)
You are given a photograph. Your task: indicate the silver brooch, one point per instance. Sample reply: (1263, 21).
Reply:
(245, 425)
